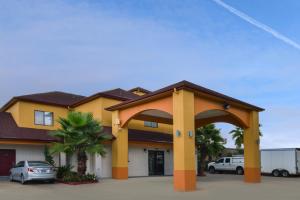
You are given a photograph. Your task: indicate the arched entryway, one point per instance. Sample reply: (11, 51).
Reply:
(186, 106)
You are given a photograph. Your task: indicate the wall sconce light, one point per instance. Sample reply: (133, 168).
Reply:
(178, 133)
(168, 150)
(145, 150)
(258, 141)
(226, 106)
(190, 133)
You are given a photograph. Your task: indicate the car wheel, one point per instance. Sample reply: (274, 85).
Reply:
(276, 173)
(212, 170)
(284, 173)
(239, 171)
(11, 179)
(22, 179)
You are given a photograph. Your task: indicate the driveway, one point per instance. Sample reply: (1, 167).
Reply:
(218, 186)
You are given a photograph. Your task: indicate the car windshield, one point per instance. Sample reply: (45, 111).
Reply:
(38, 163)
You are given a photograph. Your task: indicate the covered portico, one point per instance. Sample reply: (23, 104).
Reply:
(186, 106)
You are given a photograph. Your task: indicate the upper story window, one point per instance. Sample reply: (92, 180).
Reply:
(43, 118)
(151, 124)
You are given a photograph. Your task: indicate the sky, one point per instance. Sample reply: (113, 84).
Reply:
(247, 50)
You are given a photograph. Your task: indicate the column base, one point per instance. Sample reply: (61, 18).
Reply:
(252, 175)
(184, 180)
(120, 173)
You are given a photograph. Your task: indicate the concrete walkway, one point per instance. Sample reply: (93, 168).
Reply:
(219, 186)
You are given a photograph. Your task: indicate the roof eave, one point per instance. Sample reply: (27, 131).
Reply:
(187, 86)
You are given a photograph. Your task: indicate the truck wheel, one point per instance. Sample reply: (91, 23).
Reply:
(239, 171)
(276, 173)
(212, 170)
(284, 173)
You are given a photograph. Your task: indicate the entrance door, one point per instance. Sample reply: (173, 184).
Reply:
(7, 160)
(156, 163)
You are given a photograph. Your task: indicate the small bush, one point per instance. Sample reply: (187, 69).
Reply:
(63, 171)
(89, 177)
(74, 177)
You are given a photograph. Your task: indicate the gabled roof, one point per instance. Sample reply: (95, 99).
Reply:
(10, 130)
(187, 86)
(139, 89)
(117, 94)
(55, 98)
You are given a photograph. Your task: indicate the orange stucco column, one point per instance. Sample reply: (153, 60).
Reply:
(184, 141)
(251, 148)
(119, 149)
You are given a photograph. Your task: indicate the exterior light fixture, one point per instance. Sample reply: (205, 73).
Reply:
(226, 106)
(178, 133)
(145, 150)
(168, 150)
(258, 141)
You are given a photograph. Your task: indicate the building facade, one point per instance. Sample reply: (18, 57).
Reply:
(153, 132)
(25, 122)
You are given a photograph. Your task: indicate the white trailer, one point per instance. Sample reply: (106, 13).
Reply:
(280, 162)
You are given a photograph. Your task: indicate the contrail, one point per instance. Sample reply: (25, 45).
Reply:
(258, 24)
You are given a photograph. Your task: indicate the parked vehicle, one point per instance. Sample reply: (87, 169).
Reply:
(280, 162)
(25, 171)
(233, 164)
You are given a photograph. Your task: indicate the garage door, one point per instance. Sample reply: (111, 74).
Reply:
(7, 160)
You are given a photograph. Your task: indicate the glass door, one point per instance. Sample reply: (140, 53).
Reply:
(156, 163)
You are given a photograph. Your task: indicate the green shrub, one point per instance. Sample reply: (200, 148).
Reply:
(63, 171)
(75, 177)
(89, 177)
(48, 156)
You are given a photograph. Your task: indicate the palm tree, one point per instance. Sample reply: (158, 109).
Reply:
(208, 143)
(238, 136)
(81, 134)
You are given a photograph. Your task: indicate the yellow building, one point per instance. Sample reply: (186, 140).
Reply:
(153, 131)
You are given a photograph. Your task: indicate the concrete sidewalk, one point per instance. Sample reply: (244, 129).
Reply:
(219, 186)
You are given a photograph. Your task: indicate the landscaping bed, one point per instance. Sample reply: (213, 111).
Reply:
(66, 176)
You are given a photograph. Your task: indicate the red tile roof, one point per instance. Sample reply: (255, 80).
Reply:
(10, 130)
(55, 98)
(118, 94)
(140, 89)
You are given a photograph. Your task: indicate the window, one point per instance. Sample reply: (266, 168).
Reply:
(151, 124)
(221, 160)
(20, 164)
(43, 118)
(227, 160)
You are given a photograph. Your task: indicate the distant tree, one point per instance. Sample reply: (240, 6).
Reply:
(81, 134)
(208, 143)
(238, 136)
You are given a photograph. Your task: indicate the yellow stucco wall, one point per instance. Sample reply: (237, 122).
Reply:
(94, 107)
(15, 112)
(138, 124)
(97, 107)
(23, 113)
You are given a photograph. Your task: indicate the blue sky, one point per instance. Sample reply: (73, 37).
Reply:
(88, 46)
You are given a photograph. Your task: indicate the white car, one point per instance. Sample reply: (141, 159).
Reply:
(233, 164)
(25, 171)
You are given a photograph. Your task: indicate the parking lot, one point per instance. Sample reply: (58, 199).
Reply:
(217, 186)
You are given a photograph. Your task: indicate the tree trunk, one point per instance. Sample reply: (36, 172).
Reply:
(81, 160)
(203, 154)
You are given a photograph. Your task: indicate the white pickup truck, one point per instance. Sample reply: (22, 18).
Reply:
(235, 164)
